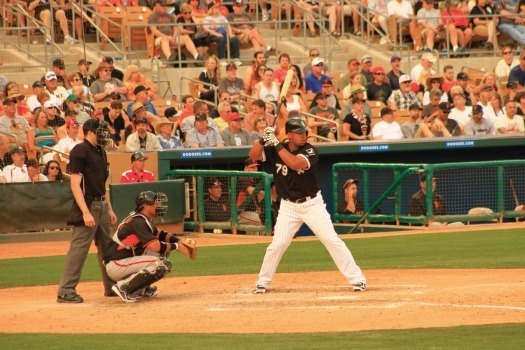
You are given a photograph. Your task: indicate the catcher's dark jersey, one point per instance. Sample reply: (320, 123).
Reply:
(291, 184)
(136, 232)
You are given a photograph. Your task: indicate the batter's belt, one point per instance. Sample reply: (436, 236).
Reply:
(300, 200)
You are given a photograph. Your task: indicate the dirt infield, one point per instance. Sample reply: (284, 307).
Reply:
(297, 302)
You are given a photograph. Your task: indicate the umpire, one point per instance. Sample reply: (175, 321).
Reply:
(91, 213)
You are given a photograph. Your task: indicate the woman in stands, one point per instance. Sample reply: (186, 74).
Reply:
(483, 24)
(433, 82)
(292, 100)
(133, 78)
(41, 134)
(496, 101)
(297, 86)
(258, 128)
(520, 100)
(257, 77)
(221, 33)
(196, 33)
(53, 171)
(489, 79)
(484, 101)
(357, 125)
(284, 64)
(76, 80)
(210, 78)
(197, 13)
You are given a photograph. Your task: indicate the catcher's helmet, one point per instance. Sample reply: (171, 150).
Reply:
(152, 198)
(297, 125)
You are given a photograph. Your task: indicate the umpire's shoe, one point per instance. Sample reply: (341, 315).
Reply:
(359, 287)
(128, 298)
(70, 298)
(260, 289)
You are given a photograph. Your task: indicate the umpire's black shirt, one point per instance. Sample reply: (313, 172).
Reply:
(90, 162)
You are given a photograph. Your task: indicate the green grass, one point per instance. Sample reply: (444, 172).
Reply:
(479, 249)
(505, 336)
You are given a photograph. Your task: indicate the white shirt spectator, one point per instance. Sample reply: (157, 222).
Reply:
(488, 112)
(388, 131)
(513, 125)
(503, 69)
(416, 72)
(462, 117)
(16, 174)
(403, 9)
(485, 128)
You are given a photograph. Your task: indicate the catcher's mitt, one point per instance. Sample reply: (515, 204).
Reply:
(191, 245)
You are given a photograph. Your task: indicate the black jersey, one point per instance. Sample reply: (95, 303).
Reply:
(135, 233)
(295, 184)
(91, 162)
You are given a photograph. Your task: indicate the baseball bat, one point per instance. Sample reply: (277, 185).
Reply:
(511, 182)
(284, 91)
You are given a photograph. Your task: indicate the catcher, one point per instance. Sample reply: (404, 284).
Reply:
(139, 257)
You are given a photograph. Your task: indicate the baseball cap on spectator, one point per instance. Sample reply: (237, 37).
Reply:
(17, 149)
(38, 83)
(445, 106)
(140, 121)
(238, 3)
(116, 105)
(354, 61)
(50, 75)
(215, 182)
(231, 65)
(107, 59)
(378, 69)
(476, 109)
(137, 156)
(50, 104)
(394, 58)
(429, 57)
(59, 62)
(350, 182)
(462, 76)
(33, 163)
(84, 61)
(316, 61)
(366, 58)
(170, 112)
(327, 81)
(71, 123)
(404, 78)
(72, 97)
(139, 89)
(234, 116)
(414, 106)
(512, 84)
(201, 117)
(250, 163)
(136, 106)
(385, 111)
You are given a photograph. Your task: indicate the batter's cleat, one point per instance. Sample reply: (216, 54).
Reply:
(128, 298)
(70, 298)
(259, 290)
(359, 287)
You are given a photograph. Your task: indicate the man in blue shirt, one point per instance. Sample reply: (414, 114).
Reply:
(314, 80)
(518, 73)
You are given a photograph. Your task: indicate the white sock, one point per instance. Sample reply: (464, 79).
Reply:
(168, 58)
(268, 48)
(196, 56)
(455, 48)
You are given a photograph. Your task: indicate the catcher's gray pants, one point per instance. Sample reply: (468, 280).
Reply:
(120, 269)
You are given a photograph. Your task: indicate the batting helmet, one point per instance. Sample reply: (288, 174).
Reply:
(152, 198)
(297, 125)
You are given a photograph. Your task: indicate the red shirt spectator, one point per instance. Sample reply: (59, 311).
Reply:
(137, 172)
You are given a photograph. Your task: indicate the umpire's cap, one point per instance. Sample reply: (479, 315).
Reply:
(297, 125)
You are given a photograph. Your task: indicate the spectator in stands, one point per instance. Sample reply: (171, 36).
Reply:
(457, 24)
(403, 98)
(56, 92)
(59, 67)
(222, 120)
(233, 85)
(512, 91)
(83, 71)
(209, 79)
(216, 208)
(199, 108)
(489, 79)
(462, 82)
(334, 11)
(106, 88)
(252, 71)
(439, 124)
(257, 126)
(69, 115)
(137, 173)
(417, 205)
(53, 172)
(427, 60)
(511, 122)
(17, 172)
(198, 10)
(518, 72)
(75, 135)
(477, 125)
(401, 11)
(166, 35)
(431, 110)
(85, 100)
(220, 32)
(434, 82)
(507, 62)
(483, 24)
(258, 111)
(387, 128)
(448, 79)
(392, 77)
(33, 171)
(4, 151)
(484, 101)
(496, 101)
(520, 100)
(256, 78)
(356, 79)
(314, 79)
(378, 90)
(510, 21)
(197, 35)
(165, 133)
(32, 101)
(141, 139)
(41, 134)
(247, 32)
(310, 6)
(409, 128)
(379, 13)
(12, 123)
(460, 113)
(366, 70)
(350, 205)
(284, 65)
(352, 67)
(188, 102)
(42, 11)
(327, 88)
(297, 85)
(235, 134)
(359, 92)
(72, 104)
(117, 121)
(307, 69)
(321, 109)
(53, 115)
(115, 73)
(292, 102)
(142, 96)
(428, 19)
(76, 80)
(201, 135)
(356, 125)
(267, 90)
(133, 78)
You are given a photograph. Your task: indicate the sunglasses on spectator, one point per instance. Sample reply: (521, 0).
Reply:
(75, 101)
(261, 119)
(321, 98)
(186, 13)
(379, 73)
(53, 168)
(507, 52)
(107, 70)
(226, 98)
(77, 79)
(319, 64)
(314, 55)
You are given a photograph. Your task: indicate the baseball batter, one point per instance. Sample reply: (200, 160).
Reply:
(295, 177)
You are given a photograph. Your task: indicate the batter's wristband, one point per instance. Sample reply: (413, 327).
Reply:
(279, 147)
(174, 246)
(173, 239)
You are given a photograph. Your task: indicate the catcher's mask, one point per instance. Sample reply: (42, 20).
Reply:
(158, 199)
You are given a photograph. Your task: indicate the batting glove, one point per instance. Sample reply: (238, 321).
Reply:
(270, 140)
(269, 130)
